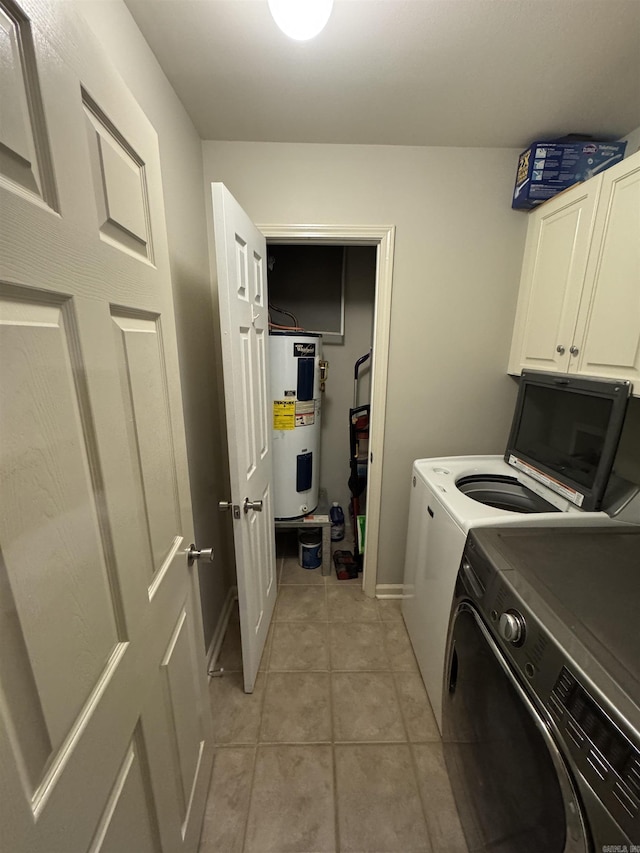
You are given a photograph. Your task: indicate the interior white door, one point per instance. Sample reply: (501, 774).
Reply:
(244, 321)
(105, 727)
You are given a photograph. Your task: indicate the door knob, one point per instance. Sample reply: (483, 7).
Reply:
(256, 505)
(194, 554)
(574, 350)
(560, 349)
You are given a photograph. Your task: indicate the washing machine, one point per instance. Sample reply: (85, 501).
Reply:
(556, 471)
(445, 505)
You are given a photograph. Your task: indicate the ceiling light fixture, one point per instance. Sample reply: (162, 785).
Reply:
(301, 19)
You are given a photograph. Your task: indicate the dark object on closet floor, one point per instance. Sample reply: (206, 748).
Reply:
(346, 565)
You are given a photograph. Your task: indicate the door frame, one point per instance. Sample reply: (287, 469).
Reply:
(383, 237)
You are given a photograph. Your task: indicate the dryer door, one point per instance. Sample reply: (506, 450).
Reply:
(510, 782)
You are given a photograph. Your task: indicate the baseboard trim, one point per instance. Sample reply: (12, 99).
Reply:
(218, 635)
(389, 590)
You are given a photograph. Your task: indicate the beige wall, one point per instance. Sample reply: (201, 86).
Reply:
(633, 142)
(181, 159)
(627, 462)
(456, 273)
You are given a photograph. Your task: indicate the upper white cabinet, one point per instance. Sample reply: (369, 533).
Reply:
(608, 328)
(579, 303)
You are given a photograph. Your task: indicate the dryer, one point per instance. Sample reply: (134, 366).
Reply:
(542, 690)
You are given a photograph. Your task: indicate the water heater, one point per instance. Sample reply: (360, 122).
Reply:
(295, 390)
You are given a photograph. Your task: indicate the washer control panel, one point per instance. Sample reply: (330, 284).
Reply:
(601, 749)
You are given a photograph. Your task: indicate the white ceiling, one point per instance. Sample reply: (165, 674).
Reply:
(496, 73)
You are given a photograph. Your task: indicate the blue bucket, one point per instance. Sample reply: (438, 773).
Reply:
(310, 548)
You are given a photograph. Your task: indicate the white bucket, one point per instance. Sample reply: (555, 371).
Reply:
(310, 548)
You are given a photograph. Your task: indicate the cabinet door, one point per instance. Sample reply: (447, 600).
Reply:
(553, 272)
(608, 331)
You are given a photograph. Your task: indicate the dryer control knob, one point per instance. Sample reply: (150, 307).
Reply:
(511, 627)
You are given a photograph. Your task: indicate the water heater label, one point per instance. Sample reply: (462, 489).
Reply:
(304, 350)
(284, 414)
(305, 413)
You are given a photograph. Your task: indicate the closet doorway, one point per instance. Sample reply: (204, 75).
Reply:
(363, 309)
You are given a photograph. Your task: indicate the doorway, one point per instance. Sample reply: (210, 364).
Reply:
(381, 238)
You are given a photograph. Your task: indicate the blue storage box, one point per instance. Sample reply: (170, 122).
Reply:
(547, 168)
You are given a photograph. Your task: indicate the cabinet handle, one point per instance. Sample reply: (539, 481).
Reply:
(560, 349)
(574, 350)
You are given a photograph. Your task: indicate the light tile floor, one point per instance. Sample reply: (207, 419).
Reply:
(337, 748)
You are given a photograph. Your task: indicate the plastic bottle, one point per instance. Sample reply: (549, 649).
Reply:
(337, 522)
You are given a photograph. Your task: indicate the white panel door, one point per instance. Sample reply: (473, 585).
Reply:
(244, 321)
(105, 740)
(609, 324)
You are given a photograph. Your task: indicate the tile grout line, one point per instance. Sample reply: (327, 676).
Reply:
(336, 802)
(250, 799)
(414, 765)
(395, 688)
(412, 758)
(410, 747)
(328, 671)
(258, 742)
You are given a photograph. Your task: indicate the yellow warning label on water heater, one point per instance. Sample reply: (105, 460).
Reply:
(284, 414)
